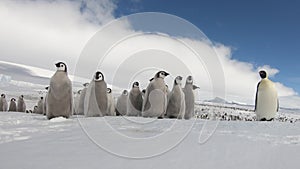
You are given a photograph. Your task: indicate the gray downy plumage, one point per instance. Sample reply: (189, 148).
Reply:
(3, 103)
(81, 99)
(155, 101)
(95, 102)
(59, 99)
(110, 103)
(40, 106)
(21, 106)
(176, 104)
(121, 107)
(12, 105)
(189, 97)
(135, 101)
(76, 102)
(45, 101)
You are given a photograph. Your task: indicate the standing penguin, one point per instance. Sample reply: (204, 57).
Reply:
(81, 99)
(189, 97)
(12, 105)
(45, 101)
(155, 101)
(121, 107)
(21, 106)
(3, 103)
(59, 97)
(76, 102)
(176, 105)
(135, 101)
(40, 106)
(95, 102)
(266, 101)
(110, 103)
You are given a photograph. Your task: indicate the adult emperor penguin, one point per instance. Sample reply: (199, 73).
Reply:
(40, 106)
(21, 106)
(3, 103)
(266, 101)
(189, 97)
(155, 101)
(121, 107)
(81, 99)
(59, 98)
(135, 101)
(12, 105)
(176, 104)
(110, 103)
(95, 102)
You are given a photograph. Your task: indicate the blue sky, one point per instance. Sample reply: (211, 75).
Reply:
(261, 32)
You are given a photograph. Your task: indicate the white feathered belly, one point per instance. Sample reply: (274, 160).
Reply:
(266, 104)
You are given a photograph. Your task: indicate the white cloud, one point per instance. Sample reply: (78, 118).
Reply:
(41, 32)
(38, 33)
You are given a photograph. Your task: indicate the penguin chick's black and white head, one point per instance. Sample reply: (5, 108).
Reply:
(161, 74)
(108, 90)
(135, 84)
(21, 97)
(85, 84)
(178, 80)
(98, 76)
(79, 92)
(61, 66)
(189, 80)
(125, 92)
(263, 74)
(47, 87)
(3, 95)
(42, 98)
(13, 99)
(144, 91)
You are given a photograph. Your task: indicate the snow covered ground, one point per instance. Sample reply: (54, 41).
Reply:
(30, 141)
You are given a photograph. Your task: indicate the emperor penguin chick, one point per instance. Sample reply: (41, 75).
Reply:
(135, 101)
(266, 101)
(121, 107)
(110, 103)
(59, 100)
(40, 106)
(81, 99)
(189, 97)
(12, 105)
(21, 106)
(176, 105)
(3, 103)
(95, 102)
(155, 101)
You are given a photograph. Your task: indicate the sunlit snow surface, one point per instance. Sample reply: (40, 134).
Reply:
(30, 141)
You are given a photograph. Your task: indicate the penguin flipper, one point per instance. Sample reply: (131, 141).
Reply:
(256, 96)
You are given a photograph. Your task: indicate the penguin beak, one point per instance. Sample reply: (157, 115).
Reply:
(167, 73)
(57, 64)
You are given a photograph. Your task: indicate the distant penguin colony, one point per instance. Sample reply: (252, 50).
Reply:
(266, 101)
(156, 101)
(59, 97)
